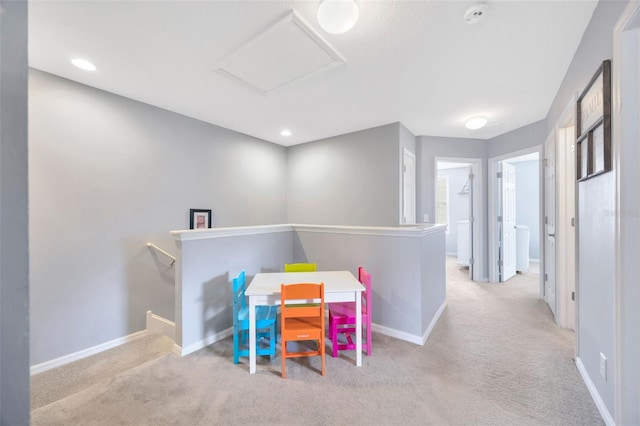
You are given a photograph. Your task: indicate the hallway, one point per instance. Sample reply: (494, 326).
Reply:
(500, 341)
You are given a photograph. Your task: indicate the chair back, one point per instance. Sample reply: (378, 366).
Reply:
(302, 319)
(239, 286)
(343, 317)
(265, 322)
(304, 307)
(299, 267)
(365, 279)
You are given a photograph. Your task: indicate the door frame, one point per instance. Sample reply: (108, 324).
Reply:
(563, 291)
(479, 273)
(406, 153)
(626, 166)
(551, 142)
(492, 227)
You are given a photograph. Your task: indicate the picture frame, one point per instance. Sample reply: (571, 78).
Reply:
(582, 164)
(199, 218)
(593, 125)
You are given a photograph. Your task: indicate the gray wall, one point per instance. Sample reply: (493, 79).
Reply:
(596, 231)
(458, 204)
(203, 296)
(107, 175)
(351, 179)
(14, 263)
(516, 140)
(407, 139)
(527, 202)
(407, 273)
(430, 147)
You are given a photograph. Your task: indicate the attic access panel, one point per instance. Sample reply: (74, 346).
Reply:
(285, 52)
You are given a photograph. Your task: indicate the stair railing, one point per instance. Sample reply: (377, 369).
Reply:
(159, 250)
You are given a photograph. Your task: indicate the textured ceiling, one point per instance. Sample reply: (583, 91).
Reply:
(416, 62)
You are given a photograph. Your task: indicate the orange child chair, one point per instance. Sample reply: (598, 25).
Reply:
(299, 322)
(342, 318)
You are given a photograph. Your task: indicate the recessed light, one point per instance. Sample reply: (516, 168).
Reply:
(475, 123)
(83, 64)
(285, 132)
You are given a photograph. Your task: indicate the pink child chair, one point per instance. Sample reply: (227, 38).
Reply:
(342, 318)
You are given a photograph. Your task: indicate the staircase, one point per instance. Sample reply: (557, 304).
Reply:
(71, 379)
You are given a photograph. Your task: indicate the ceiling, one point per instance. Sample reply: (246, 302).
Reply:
(416, 62)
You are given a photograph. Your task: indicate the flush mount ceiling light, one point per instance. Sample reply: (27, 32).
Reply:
(337, 16)
(476, 13)
(475, 123)
(83, 64)
(286, 132)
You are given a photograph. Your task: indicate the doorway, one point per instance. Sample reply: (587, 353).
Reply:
(515, 215)
(458, 204)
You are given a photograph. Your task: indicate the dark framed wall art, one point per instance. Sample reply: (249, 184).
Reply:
(593, 125)
(199, 218)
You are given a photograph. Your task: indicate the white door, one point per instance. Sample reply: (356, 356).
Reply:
(550, 224)
(408, 187)
(565, 230)
(508, 221)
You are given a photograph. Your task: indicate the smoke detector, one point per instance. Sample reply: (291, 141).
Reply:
(476, 13)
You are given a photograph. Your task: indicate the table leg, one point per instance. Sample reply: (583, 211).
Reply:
(358, 329)
(252, 335)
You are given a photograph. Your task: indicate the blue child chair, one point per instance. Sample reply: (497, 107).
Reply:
(265, 323)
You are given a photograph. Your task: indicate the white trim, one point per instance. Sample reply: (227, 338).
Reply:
(396, 334)
(602, 408)
(417, 230)
(66, 359)
(434, 321)
(160, 325)
(203, 234)
(625, 161)
(479, 253)
(407, 337)
(180, 351)
(563, 225)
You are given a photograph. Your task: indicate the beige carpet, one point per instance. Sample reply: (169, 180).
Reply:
(494, 358)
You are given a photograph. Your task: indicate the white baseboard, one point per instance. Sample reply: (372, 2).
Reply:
(157, 324)
(602, 408)
(66, 359)
(434, 321)
(412, 338)
(396, 334)
(180, 351)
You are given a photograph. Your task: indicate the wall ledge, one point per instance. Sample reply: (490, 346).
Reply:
(391, 231)
(204, 234)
